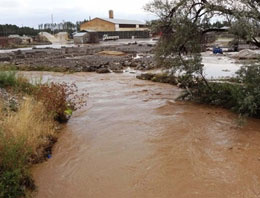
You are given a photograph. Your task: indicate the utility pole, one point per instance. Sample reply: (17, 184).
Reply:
(52, 25)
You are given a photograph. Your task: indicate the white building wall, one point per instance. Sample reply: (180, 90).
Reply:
(117, 27)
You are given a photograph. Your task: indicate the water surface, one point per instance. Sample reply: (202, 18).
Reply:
(134, 140)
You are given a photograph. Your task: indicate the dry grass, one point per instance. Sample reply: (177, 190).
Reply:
(31, 123)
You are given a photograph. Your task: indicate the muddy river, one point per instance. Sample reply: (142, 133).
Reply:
(134, 140)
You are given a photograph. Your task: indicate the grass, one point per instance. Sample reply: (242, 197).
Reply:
(23, 134)
(28, 127)
(8, 67)
(10, 79)
(31, 122)
(14, 174)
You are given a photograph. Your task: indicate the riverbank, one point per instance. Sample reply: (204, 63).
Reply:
(29, 122)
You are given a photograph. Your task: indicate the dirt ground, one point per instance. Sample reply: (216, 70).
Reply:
(87, 58)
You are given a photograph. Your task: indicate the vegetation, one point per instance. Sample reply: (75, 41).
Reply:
(183, 25)
(9, 79)
(28, 131)
(7, 29)
(240, 94)
(7, 67)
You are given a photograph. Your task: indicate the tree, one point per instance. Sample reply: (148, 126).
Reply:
(182, 27)
(6, 30)
(184, 24)
(198, 11)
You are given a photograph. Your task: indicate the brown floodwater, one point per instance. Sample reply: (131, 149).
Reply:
(134, 140)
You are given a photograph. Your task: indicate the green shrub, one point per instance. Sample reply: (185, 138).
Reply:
(241, 94)
(14, 175)
(242, 97)
(60, 99)
(7, 78)
(10, 79)
(162, 78)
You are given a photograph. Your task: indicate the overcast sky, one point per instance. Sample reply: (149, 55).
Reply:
(34, 12)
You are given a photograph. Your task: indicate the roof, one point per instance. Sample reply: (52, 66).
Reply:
(80, 34)
(14, 36)
(123, 21)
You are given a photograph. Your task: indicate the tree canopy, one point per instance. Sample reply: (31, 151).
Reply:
(202, 12)
(183, 25)
(7, 29)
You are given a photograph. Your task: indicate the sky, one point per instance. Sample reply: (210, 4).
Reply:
(34, 12)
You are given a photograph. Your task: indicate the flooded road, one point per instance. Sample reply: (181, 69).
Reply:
(134, 140)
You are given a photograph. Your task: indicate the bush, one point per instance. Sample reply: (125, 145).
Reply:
(162, 78)
(242, 97)
(249, 100)
(14, 175)
(7, 78)
(31, 123)
(241, 94)
(60, 99)
(10, 79)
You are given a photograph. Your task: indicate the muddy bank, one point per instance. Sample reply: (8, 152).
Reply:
(134, 140)
(86, 59)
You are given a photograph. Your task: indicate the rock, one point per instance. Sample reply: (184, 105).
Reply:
(18, 52)
(133, 64)
(116, 66)
(89, 69)
(103, 70)
(118, 71)
(20, 56)
(246, 54)
(127, 63)
(78, 69)
(6, 58)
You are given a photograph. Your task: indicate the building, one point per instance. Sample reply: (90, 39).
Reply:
(21, 39)
(111, 24)
(85, 37)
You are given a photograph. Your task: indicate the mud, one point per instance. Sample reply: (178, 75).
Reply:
(134, 140)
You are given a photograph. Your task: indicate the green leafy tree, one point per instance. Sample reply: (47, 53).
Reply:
(184, 24)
